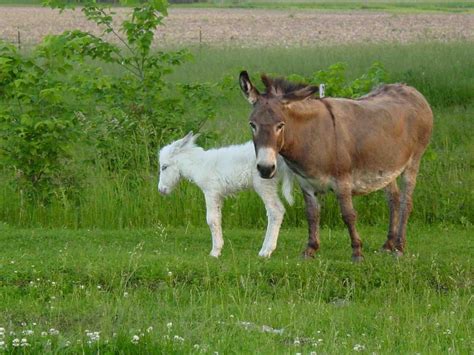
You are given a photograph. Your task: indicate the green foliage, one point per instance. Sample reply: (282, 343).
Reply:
(37, 121)
(59, 97)
(337, 84)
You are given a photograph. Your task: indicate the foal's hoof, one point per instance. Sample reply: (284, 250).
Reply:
(215, 254)
(357, 258)
(265, 253)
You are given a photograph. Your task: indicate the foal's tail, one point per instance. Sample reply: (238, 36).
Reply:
(287, 180)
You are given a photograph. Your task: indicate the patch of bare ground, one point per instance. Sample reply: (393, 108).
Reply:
(253, 28)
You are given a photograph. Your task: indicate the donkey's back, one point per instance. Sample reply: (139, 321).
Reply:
(379, 135)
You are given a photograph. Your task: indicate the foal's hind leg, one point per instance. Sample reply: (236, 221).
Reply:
(268, 191)
(406, 205)
(313, 211)
(393, 198)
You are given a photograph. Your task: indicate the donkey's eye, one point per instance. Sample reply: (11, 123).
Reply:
(164, 167)
(280, 126)
(253, 126)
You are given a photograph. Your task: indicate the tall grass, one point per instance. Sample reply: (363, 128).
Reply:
(445, 191)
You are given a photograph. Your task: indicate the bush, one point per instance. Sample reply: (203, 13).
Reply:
(59, 97)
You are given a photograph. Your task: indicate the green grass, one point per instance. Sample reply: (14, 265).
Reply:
(123, 282)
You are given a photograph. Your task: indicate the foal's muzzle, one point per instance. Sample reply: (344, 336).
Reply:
(266, 171)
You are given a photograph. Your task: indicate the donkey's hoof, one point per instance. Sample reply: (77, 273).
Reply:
(397, 253)
(308, 254)
(357, 258)
(386, 248)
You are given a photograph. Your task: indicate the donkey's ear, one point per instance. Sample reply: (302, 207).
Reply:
(300, 94)
(249, 91)
(268, 82)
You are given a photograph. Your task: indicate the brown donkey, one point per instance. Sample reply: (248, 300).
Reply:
(348, 146)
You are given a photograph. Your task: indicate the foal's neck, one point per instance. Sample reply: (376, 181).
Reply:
(191, 163)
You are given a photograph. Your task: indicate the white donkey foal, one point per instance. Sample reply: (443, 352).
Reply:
(222, 172)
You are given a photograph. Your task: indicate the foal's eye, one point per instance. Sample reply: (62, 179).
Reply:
(164, 167)
(280, 126)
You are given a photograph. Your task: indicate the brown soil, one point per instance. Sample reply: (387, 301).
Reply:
(250, 28)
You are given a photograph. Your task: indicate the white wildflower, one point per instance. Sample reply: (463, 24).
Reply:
(24, 343)
(16, 342)
(359, 347)
(169, 325)
(125, 294)
(53, 331)
(43, 334)
(297, 342)
(135, 339)
(149, 329)
(178, 338)
(93, 337)
(27, 332)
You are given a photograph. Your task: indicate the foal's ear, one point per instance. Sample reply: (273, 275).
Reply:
(187, 139)
(249, 91)
(300, 94)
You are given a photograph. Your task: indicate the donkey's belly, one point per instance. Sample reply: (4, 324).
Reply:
(364, 182)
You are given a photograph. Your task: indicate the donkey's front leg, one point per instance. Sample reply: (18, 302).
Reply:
(214, 218)
(268, 191)
(349, 215)
(313, 211)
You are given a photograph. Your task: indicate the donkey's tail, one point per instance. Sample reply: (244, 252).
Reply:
(287, 180)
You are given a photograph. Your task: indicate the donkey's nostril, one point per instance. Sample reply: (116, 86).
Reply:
(266, 171)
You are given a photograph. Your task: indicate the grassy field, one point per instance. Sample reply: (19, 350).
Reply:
(92, 291)
(372, 5)
(120, 269)
(400, 6)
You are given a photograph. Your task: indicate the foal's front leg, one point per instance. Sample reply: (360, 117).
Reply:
(268, 191)
(214, 218)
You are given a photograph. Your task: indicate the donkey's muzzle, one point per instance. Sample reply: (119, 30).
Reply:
(266, 171)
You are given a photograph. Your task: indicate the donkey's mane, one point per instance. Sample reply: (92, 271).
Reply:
(280, 86)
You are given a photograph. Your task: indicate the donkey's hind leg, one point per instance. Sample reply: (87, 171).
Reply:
(392, 193)
(268, 192)
(406, 205)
